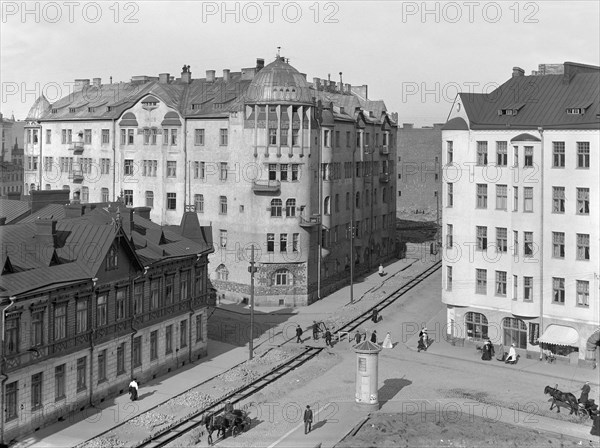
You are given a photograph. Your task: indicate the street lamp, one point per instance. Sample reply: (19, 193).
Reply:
(252, 271)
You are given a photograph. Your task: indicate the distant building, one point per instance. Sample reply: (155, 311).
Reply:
(521, 222)
(11, 159)
(419, 172)
(91, 300)
(271, 160)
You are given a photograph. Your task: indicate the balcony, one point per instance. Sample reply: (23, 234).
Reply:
(384, 150)
(384, 178)
(76, 176)
(266, 186)
(313, 221)
(76, 147)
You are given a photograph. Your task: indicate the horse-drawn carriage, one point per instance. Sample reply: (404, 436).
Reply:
(229, 422)
(569, 401)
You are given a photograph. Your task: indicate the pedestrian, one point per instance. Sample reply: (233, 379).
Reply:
(512, 355)
(357, 337)
(374, 315)
(308, 418)
(228, 409)
(133, 390)
(421, 344)
(374, 337)
(298, 334)
(585, 391)
(487, 351)
(315, 329)
(381, 273)
(328, 338)
(387, 342)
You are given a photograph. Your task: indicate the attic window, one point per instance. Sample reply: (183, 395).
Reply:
(575, 111)
(507, 112)
(91, 109)
(72, 110)
(196, 106)
(109, 108)
(54, 111)
(511, 110)
(149, 103)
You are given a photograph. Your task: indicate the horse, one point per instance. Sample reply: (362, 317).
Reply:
(214, 422)
(566, 398)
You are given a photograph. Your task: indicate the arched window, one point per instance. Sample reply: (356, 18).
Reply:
(276, 207)
(48, 187)
(358, 199)
(222, 273)
(515, 332)
(327, 206)
(66, 187)
(282, 277)
(290, 207)
(476, 325)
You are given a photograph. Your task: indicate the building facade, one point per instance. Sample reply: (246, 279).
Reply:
(267, 158)
(90, 301)
(521, 216)
(11, 159)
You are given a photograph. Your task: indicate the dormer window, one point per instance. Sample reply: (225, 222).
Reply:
(149, 103)
(54, 111)
(196, 106)
(575, 111)
(507, 112)
(91, 109)
(72, 110)
(511, 110)
(109, 108)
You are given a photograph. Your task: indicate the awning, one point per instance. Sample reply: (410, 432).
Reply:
(560, 335)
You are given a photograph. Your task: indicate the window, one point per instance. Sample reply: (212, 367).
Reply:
(558, 244)
(558, 154)
(481, 232)
(327, 204)
(104, 194)
(528, 244)
(199, 203)
(501, 239)
(295, 241)
(515, 243)
(583, 246)
(37, 327)
(121, 302)
(516, 157)
(501, 197)
(59, 381)
(81, 375)
(223, 171)
(199, 170)
(128, 197)
(87, 136)
(64, 137)
(130, 137)
(150, 199)
(121, 358)
(223, 238)
(357, 201)
(81, 321)
(558, 199)
(270, 242)
(528, 289)
(528, 199)
(104, 166)
(295, 137)
(48, 136)
(272, 136)
(282, 277)
(171, 201)
(283, 242)
(199, 328)
(501, 283)
(128, 167)
(477, 325)
(450, 195)
(501, 153)
(146, 136)
(60, 321)
(290, 207)
(482, 153)
(450, 152)
(515, 332)
(12, 335)
(171, 168)
(449, 235)
(199, 137)
(105, 136)
(102, 366)
(515, 287)
(153, 345)
(583, 155)
(137, 351)
(123, 139)
(347, 201)
(583, 293)
(449, 278)
(222, 273)
(102, 309)
(558, 290)
(11, 400)
(222, 205)
(583, 201)
(482, 195)
(36, 390)
(481, 281)
(168, 339)
(223, 138)
(169, 289)
(528, 157)
(283, 172)
(173, 137)
(183, 336)
(295, 172)
(515, 199)
(153, 136)
(48, 162)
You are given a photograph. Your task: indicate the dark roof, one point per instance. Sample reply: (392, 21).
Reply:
(540, 101)
(42, 278)
(12, 209)
(51, 211)
(367, 347)
(456, 124)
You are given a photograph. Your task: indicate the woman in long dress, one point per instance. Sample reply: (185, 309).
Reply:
(387, 342)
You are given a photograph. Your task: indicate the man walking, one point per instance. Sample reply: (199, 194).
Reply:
(328, 338)
(315, 329)
(374, 337)
(298, 334)
(133, 390)
(308, 417)
(357, 337)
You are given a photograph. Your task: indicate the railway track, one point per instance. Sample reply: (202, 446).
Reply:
(177, 430)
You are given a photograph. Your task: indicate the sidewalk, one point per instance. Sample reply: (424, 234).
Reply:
(95, 421)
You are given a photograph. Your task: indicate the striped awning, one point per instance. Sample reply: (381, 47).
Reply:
(560, 335)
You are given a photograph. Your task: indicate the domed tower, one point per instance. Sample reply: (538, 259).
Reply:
(33, 144)
(280, 130)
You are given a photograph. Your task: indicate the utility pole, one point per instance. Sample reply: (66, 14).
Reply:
(252, 271)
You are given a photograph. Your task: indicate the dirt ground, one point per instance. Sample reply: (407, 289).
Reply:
(402, 430)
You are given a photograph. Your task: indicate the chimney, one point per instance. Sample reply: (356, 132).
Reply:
(45, 232)
(317, 83)
(210, 75)
(163, 78)
(341, 84)
(41, 198)
(348, 89)
(3, 221)
(260, 64)
(97, 82)
(74, 210)
(111, 79)
(518, 71)
(80, 84)
(226, 75)
(407, 125)
(186, 75)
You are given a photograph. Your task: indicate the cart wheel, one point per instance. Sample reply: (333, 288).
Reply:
(235, 431)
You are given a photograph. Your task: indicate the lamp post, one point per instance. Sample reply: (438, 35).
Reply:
(252, 271)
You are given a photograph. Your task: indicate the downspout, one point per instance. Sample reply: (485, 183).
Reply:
(320, 202)
(186, 191)
(541, 131)
(2, 369)
(190, 300)
(135, 330)
(114, 148)
(92, 337)
(41, 140)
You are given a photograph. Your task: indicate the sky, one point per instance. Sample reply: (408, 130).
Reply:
(413, 55)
